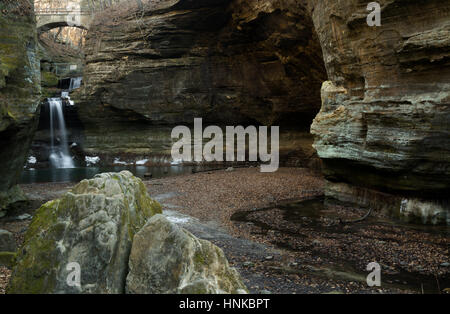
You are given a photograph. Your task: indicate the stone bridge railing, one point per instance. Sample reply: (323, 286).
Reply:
(50, 18)
(62, 11)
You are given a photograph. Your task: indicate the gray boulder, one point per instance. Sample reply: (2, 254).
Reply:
(166, 259)
(93, 226)
(7, 241)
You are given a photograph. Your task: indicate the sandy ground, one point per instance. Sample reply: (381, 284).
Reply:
(282, 253)
(316, 254)
(216, 195)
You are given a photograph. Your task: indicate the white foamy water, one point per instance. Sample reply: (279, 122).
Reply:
(59, 155)
(32, 160)
(176, 162)
(91, 160)
(141, 162)
(75, 83)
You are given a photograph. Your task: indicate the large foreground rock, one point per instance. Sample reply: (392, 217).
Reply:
(385, 115)
(19, 94)
(92, 225)
(168, 259)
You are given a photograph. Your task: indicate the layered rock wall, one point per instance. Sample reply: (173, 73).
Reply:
(19, 93)
(229, 62)
(385, 114)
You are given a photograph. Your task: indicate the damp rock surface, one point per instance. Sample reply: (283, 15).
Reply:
(229, 62)
(7, 241)
(166, 258)
(92, 225)
(385, 107)
(19, 94)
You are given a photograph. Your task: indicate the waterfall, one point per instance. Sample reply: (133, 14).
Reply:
(59, 154)
(65, 96)
(75, 82)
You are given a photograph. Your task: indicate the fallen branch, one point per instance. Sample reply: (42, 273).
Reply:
(356, 220)
(219, 169)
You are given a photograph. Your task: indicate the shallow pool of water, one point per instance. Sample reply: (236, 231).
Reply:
(295, 222)
(77, 174)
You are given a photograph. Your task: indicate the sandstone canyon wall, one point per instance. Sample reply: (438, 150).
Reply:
(19, 93)
(228, 62)
(385, 114)
(382, 132)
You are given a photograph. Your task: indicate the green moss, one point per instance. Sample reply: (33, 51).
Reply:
(49, 79)
(37, 259)
(199, 259)
(147, 207)
(195, 288)
(7, 259)
(44, 216)
(49, 92)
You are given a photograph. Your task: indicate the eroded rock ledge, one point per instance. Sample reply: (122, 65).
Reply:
(229, 62)
(385, 114)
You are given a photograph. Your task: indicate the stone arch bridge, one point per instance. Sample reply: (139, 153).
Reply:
(48, 19)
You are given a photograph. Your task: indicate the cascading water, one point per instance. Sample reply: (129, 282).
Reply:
(75, 83)
(59, 154)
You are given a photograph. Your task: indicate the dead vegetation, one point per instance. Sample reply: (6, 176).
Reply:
(16, 7)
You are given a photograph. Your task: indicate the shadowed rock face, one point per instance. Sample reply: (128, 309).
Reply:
(19, 93)
(229, 62)
(385, 112)
(7, 241)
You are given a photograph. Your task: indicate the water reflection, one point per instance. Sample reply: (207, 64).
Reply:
(78, 174)
(290, 225)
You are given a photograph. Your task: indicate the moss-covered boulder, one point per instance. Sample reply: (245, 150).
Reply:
(166, 259)
(92, 225)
